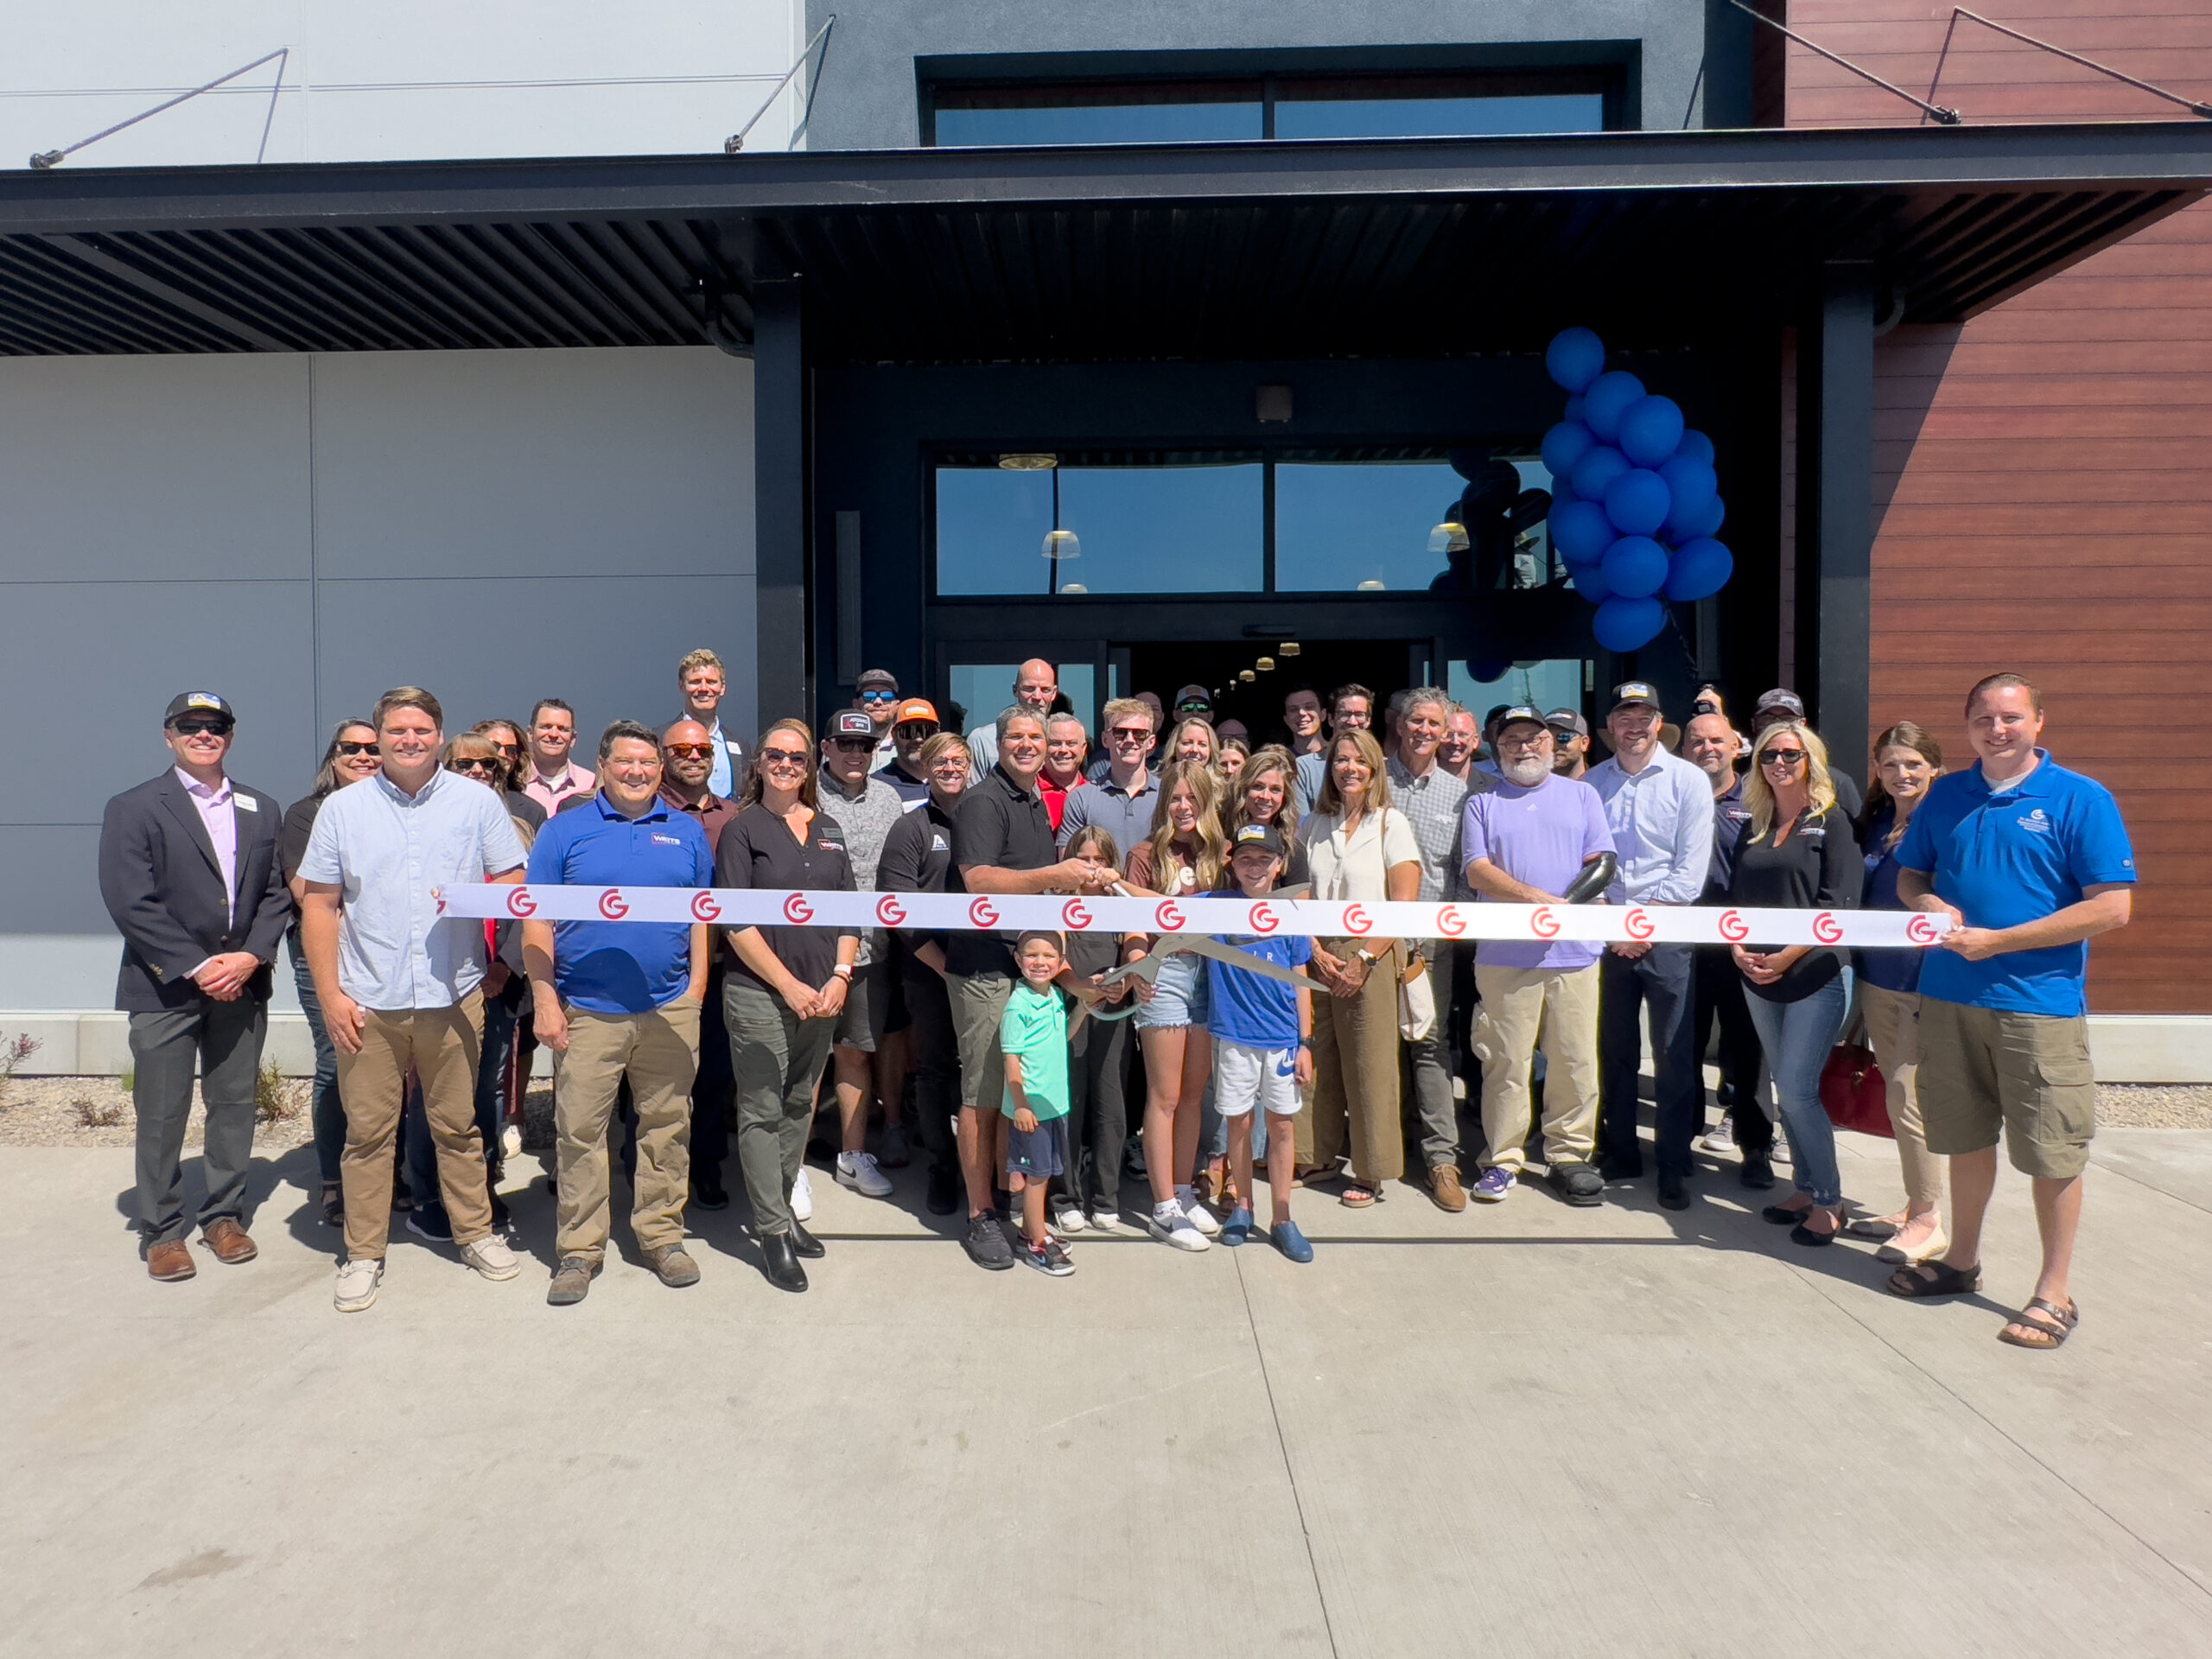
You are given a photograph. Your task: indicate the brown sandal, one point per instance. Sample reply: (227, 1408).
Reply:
(1357, 1197)
(1914, 1283)
(2049, 1336)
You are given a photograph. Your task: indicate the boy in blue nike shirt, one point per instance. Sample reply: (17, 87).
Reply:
(1262, 1033)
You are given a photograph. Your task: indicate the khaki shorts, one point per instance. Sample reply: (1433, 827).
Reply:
(1985, 1069)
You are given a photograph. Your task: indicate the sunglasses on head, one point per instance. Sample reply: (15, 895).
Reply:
(358, 748)
(201, 728)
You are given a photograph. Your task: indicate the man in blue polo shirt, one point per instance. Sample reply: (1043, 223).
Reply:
(620, 997)
(2030, 862)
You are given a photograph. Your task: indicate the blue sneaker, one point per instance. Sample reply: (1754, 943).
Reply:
(1495, 1187)
(1237, 1230)
(1292, 1242)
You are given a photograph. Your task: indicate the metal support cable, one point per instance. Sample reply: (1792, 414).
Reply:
(735, 141)
(2193, 106)
(1948, 117)
(50, 158)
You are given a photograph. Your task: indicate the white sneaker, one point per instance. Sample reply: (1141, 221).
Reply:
(1068, 1217)
(511, 1140)
(357, 1284)
(857, 1170)
(802, 1197)
(490, 1256)
(1201, 1217)
(1174, 1228)
(1721, 1137)
(1106, 1220)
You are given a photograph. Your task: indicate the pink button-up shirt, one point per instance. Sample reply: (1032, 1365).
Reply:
(220, 819)
(550, 792)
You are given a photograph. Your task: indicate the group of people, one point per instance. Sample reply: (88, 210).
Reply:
(1322, 1063)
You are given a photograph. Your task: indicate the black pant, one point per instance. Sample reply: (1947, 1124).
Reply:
(937, 1066)
(221, 1041)
(713, 1091)
(1658, 981)
(1099, 1115)
(1721, 996)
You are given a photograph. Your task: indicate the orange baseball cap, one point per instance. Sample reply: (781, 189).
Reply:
(916, 708)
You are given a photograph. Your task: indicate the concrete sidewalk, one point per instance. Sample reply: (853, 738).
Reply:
(1527, 1430)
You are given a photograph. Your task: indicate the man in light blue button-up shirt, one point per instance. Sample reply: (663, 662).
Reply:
(1660, 809)
(399, 984)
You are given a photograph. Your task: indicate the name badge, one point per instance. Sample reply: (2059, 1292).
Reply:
(245, 804)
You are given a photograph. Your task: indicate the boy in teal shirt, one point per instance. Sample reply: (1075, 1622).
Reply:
(1033, 1034)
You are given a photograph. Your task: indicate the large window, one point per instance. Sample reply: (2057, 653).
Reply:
(1062, 525)
(1446, 105)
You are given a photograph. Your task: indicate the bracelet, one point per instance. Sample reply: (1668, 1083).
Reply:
(1306, 1042)
(843, 970)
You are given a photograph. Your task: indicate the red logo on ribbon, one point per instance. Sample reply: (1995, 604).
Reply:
(1263, 918)
(1169, 919)
(983, 913)
(1733, 927)
(1641, 924)
(889, 911)
(798, 909)
(1357, 920)
(1075, 914)
(1450, 922)
(705, 906)
(1921, 929)
(1542, 923)
(612, 904)
(519, 903)
(441, 896)
(1826, 928)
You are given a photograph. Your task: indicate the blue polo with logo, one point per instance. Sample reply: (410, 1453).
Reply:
(2012, 855)
(622, 966)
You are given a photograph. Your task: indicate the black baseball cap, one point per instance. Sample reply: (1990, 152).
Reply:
(1786, 701)
(852, 722)
(1265, 836)
(1633, 691)
(1517, 713)
(1194, 700)
(1567, 720)
(199, 702)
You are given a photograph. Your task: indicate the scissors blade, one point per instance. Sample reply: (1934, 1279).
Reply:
(1235, 958)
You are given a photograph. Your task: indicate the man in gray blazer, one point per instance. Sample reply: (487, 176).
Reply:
(188, 869)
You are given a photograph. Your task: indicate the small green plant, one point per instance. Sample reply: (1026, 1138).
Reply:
(272, 1097)
(129, 1081)
(97, 1114)
(13, 1053)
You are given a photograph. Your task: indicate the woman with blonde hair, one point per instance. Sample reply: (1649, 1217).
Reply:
(1195, 738)
(1359, 847)
(1907, 759)
(1186, 855)
(1796, 851)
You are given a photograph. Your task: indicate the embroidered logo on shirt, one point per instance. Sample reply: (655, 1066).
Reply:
(2035, 821)
(939, 844)
(660, 840)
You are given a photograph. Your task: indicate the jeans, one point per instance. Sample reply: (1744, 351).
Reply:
(329, 1112)
(500, 1019)
(1798, 1037)
(1657, 982)
(1430, 1061)
(712, 1092)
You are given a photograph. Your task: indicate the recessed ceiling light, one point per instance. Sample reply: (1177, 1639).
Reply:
(1029, 463)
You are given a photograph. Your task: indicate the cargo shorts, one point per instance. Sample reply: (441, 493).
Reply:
(1983, 1070)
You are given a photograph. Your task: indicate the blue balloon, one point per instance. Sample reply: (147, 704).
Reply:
(1599, 466)
(1590, 582)
(1582, 532)
(1488, 672)
(1624, 624)
(1574, 359)
(1562, 492)
(1636, 502)
(1651, 427)
(1634, 566)
(1607, 400)
(1573, 408)
(1706, 522)
(1697, 445)
(1691, 485)
(1699, 570)
(1563, 445)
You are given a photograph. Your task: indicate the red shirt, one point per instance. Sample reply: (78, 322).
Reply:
(1056, 794)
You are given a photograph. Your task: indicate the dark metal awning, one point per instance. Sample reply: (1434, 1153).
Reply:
(1396, 247)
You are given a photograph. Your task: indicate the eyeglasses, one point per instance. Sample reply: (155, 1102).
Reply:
(689, 751)
(202, 729)
(795, 758)
(358, 748)
(1788, 759)
(879, 697)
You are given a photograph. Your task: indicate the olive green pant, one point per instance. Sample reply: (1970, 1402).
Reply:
(659, 1053)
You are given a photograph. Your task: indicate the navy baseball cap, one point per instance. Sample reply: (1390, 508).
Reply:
(1265, 836)
(1516, 715)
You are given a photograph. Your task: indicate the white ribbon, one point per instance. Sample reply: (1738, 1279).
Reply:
(1216, 916)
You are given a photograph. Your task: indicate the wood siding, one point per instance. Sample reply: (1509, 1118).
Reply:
(2043, 490)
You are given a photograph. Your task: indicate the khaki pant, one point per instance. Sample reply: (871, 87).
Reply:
(1893, 1030)
(1521, 1006)
(660, 1052)
(1983, 1070)
(1355, 1074)
(444, 1045)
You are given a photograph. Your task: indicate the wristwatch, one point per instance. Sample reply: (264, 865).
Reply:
(1367, 958)
(1306, 1042)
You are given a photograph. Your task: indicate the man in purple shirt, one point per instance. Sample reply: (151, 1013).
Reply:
(1525, 842)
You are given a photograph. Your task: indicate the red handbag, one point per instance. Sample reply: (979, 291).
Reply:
(1854, 1092)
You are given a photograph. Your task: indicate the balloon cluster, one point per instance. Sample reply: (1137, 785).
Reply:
(1635, 502)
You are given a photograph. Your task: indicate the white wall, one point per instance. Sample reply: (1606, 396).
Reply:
(396, 80)
(301, 533)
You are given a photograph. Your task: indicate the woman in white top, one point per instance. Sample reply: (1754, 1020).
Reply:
(1360, 846)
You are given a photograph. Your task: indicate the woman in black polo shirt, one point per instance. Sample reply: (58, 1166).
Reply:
(783, 986)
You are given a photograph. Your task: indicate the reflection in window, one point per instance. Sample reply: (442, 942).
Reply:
(1437, 117)
(1161, 112)
(1553, 683)
(1142, 530)
(984, 689)
(1360, 525)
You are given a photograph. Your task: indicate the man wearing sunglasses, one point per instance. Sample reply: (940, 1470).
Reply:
(877, 696)
(913, 725)
(865, 808)
(189, 871)
(687, 753)
(1122, 802)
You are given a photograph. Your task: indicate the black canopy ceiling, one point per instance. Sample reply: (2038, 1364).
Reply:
(1388, 248)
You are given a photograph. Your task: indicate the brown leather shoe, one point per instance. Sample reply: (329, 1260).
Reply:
(229, 1242)
(1444, 1186)
(170, 1260)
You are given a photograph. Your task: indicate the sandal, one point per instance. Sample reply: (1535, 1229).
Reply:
(2047, 1335)
(1915, 1283)
(1357, 1197)
(1880, 1229)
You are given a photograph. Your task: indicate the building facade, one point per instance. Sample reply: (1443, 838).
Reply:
(475, 361)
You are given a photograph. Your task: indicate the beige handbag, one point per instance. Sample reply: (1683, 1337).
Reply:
(1416, 1006)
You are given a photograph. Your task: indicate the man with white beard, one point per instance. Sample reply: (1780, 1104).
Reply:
(1525, 842)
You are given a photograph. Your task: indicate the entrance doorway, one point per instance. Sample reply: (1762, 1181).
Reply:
(1383, 665)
